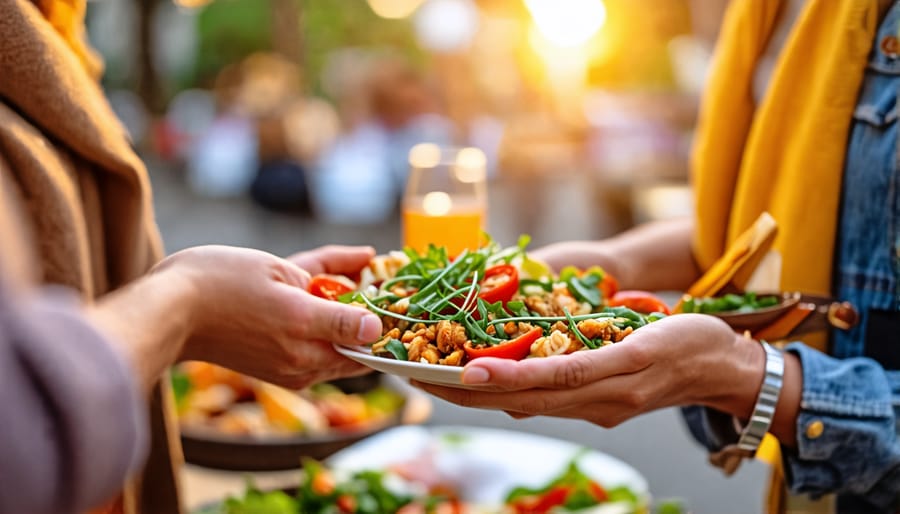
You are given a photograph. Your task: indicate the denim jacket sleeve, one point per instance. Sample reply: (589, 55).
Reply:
(857, 404)
(854, 407)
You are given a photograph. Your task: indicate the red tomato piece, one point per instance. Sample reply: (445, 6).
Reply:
(609, 286)
(598, 492)
(515, 349)
(330, 287)
(499, 284)
(346, 503)
(639, 301)
(543, 503)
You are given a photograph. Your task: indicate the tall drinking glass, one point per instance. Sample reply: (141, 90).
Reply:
(445, 203)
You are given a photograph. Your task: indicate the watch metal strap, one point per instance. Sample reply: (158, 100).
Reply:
(764, 410)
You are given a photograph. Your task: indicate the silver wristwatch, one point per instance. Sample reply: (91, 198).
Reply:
(751, 435)
(764, 410)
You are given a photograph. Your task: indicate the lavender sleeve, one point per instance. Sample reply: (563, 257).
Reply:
(72, 422)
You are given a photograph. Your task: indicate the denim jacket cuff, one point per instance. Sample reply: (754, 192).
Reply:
(846, 433)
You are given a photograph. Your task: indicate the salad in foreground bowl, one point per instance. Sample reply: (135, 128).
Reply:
(407, 490)
(491, 302)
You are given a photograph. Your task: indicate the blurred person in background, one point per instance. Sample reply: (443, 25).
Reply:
(80, 361)
(387, 109)
(406, 110)
(799, 119)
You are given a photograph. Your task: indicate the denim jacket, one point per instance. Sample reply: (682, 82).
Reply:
(849, 419)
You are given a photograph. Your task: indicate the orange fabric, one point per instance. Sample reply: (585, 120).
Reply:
(67, 17)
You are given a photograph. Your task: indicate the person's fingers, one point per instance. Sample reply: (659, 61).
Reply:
(564, 372)
(336, 322)
(334, 259)
(291, 274)
(606, 415)
(627, 390)
(518, 415)
(339, 368)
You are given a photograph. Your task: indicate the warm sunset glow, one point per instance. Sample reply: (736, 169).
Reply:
(567, 23)
(394, 8)
(192, 4)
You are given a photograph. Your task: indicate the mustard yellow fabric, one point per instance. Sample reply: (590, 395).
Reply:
(786, 155)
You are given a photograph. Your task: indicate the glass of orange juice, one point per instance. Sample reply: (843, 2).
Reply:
(445, 203)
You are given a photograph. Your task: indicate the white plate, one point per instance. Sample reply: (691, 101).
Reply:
(430, 373)
(485, 464)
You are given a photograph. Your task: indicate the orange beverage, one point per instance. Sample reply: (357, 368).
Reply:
(459, 229)
(445, 201)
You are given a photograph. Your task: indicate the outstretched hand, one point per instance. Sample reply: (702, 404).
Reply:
(254, 315)
(680, 360)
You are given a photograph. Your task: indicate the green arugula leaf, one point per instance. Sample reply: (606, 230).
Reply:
(585, 289)
(395, 346)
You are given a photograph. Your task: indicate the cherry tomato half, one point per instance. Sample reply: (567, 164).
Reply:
(609, 286)
(639, 301)
(541, 504)
(330, 287)
(515, 349)
(499, 284)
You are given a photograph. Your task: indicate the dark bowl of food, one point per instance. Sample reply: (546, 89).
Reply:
(749, 311)
(232, 422)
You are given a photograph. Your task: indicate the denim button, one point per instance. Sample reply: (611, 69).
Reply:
(815, 429)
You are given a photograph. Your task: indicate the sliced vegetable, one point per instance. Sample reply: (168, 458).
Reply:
(515, 349)
(500, 283)
(639, 301)
(330, 287)
(609, 286)
(541, 503)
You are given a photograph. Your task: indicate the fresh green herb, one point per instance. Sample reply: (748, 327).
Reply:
(366, 489)
(258, 502)
(573, 327)
(526, 283)
(655, 316)
(181, 387)
(396, 348)
(449, 290)
(748, 302)
(581, 490)
(585, 289)
(516, 306)
(568, 272)
(669, 506)
(455, 438)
